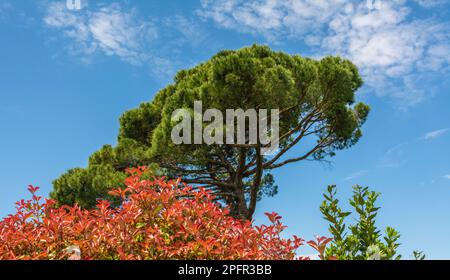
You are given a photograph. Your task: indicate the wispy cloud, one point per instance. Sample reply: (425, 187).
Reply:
(431, 3)
(189, 29)
(273, 19)
(120, 31)
(446, 176)
(395, 51)
(13, 14)
(435, 134)
(394, 157)
(356, 175)
(109, 30)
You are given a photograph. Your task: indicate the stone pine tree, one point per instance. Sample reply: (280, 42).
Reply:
(318, 116)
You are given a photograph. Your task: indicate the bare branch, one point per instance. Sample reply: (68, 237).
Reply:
(320, 145)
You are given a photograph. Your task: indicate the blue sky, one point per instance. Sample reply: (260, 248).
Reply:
(67, 75)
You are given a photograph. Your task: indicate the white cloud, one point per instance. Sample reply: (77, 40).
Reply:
(447, 176)
(271, 18)
(120, 31)
(109, 30)
(356, 175)
(435, 134)
(394, 51)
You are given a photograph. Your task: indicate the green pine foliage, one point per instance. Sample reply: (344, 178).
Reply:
(318, 111)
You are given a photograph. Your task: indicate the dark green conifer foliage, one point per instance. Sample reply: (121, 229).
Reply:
(316, 99)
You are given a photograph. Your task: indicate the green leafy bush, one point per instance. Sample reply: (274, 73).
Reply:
(362, 240)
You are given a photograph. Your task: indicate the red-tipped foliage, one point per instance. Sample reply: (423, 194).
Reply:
(157, 219)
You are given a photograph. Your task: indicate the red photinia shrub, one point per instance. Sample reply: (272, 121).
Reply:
(156, 220)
